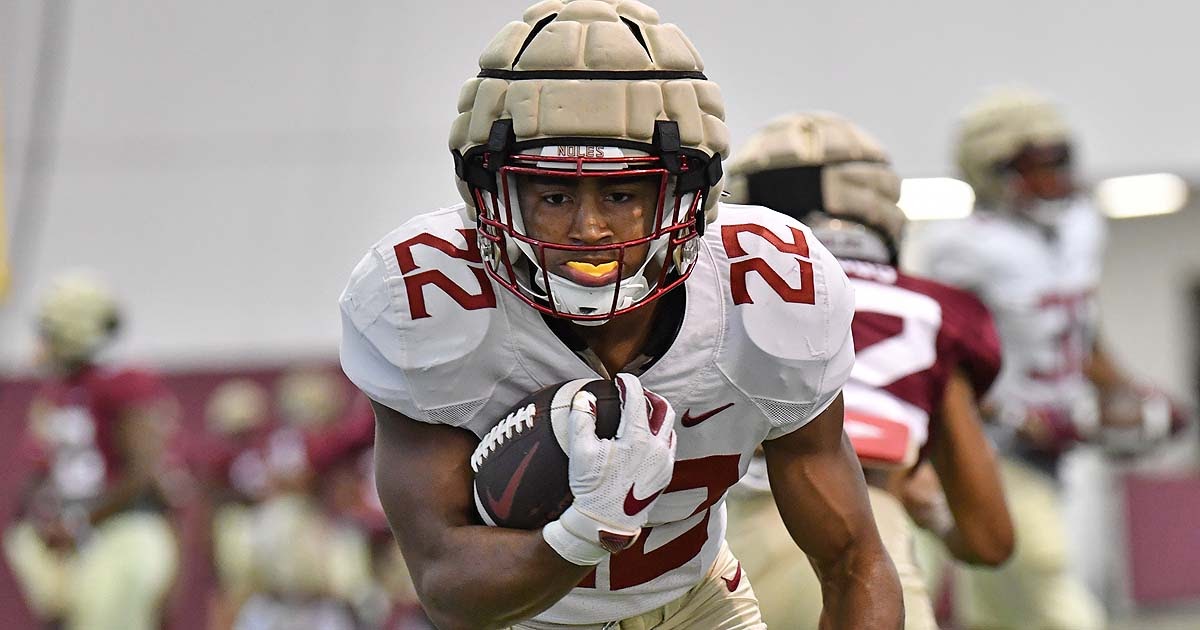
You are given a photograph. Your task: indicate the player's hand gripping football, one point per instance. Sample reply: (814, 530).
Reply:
(615, 481)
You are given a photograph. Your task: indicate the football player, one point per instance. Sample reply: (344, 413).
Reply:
(592, 245)
(95, 521)
(1032, 252)
(307, 566)
(925, 353)
(237, 417)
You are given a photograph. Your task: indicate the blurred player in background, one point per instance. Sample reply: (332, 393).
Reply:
(592, 245)
(294, 557)
(342, 453)
(293, 543)
(237, 419)
(1032, 252)
(94, 548)
(925, 353)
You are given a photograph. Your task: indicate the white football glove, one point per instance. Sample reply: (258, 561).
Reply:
(615, 481)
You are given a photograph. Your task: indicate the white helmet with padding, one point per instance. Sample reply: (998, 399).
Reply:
(992, 132)
(570, 78)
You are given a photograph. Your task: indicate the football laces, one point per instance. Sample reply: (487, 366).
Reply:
(515, 422)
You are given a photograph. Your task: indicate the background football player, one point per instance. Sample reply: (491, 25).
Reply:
(1032, 252)
(95, 548)
(925, 353)
(237, 419)
(592, 245)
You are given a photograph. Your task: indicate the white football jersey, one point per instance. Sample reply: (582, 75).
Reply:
(764, 347)
(1041, 288)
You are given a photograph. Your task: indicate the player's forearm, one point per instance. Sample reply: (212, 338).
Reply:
(861, 591)
(488, 577)
(980, 548)
(976, 527)
(1102, 371)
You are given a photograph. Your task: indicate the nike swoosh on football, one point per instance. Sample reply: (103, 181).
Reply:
(633, 505)
(690, 421)
(733, 582)
(503, 507)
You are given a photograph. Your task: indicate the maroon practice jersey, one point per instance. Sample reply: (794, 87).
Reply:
(910, 334)
(74, 424)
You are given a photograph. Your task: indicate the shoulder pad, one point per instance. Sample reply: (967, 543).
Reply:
(790, 308)
(416, 308)
(425, 281)
(968, 333)
(118, 388)
(962, 252)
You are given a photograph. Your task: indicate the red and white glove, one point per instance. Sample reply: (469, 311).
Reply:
(615, 481)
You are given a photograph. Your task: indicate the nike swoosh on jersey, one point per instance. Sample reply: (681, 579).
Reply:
(503, 507)
(690, 421)
(733, 582)
(633, 505)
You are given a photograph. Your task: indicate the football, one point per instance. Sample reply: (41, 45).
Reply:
(520, 465)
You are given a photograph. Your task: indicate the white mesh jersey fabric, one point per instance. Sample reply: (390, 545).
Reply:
(781, 413)
(765, 344)
(454, 415)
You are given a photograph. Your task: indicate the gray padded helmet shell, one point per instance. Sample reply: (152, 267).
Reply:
(994, 130)
(574, 37)
(857, 179)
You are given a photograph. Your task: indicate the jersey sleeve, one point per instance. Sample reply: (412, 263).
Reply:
(417, 315)
(129, 388)
(838, 308)
(948, 251)
(969, 338)
(362, 304)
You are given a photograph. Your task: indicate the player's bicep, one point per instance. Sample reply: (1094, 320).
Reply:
(818, 486)
(423, 476)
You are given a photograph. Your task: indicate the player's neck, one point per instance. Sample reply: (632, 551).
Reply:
(620, 341)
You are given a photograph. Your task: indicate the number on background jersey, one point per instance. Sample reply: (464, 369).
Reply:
(740, 269)
(895, 336)
(636, 566)
(414, 283)
(895, 333)
(1068, 314)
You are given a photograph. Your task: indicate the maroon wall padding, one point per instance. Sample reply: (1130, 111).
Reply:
(14, 400)
(1163, 521)
(196, 584)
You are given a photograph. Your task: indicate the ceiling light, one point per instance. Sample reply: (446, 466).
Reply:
(1142, 195)
(930, 198)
